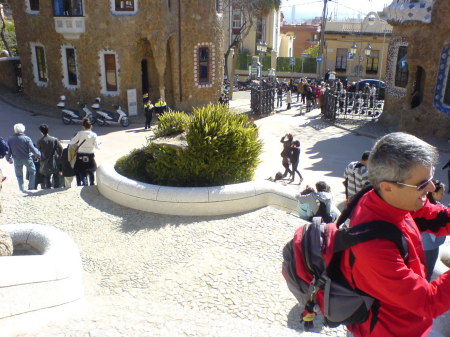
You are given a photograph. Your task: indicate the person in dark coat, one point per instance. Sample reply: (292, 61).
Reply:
(148, 109)
(295, 159)
(286, 153)
(49, 147)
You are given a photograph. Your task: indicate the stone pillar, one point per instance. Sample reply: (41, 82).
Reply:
(159, 45)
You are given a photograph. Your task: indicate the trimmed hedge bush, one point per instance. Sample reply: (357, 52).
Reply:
(223, 148)
(171, 123)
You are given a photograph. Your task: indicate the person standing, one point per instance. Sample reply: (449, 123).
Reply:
(288, 98)
(160, 107)
(286, 153)
(148, 110)
(49, 147)
(21, 151)
(295, 159)
(356, 176)
(401, 169)
(85, 164)
(430, 241)
(279, 96)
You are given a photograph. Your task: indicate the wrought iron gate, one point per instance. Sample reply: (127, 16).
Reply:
(262, 99)
(352, 105)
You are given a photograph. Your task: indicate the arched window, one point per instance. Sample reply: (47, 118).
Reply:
(442, 94)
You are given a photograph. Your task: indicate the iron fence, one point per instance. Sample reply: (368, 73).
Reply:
(352, 105)
(262, 99)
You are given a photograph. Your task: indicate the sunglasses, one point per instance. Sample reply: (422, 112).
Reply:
(419, 187)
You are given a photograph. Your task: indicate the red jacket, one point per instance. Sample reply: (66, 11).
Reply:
(408, 303)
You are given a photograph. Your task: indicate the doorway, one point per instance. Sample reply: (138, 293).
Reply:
(419, 85)
(144, 72)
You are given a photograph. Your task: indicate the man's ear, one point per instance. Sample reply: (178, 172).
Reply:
(385, 187)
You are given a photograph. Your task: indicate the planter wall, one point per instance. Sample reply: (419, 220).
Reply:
(193, 201)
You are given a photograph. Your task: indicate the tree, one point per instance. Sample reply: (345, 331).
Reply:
(313, 51)
(7, 31)
(250, 10)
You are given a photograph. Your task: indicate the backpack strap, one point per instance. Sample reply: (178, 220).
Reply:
(348, 237)
(349, 209)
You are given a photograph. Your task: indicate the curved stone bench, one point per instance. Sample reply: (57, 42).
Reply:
(52, 277)
(193, 201)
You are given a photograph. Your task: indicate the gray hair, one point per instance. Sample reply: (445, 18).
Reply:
(19, 128)
(394, 155)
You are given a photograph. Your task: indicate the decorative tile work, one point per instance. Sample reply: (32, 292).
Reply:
(391, 66)
(212, 64)
(444, 68)
(403, 10)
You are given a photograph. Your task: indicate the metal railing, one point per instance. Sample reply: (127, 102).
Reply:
(262, 99)
(352, 105)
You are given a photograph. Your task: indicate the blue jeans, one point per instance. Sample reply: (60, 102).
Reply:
(31, 169)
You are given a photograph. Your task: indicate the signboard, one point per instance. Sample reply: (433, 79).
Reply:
(350, 56)
(132, 102)
(305, 55)
(292, 61)
(319, 59)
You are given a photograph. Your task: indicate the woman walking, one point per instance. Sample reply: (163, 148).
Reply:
(85, 164)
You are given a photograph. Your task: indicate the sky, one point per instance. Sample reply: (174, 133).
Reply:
(342, 9)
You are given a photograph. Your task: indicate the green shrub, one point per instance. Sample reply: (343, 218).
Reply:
(172, 123)
(133, 165)
(223, 148)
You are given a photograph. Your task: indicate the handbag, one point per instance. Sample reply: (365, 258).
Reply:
(49, 166)
(72, 153)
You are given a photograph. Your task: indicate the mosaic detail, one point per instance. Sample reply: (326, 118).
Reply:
(212, 64)
(391, 66)
(405, 10)
(444, 68)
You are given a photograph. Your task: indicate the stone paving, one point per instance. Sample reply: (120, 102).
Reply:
(156, 275)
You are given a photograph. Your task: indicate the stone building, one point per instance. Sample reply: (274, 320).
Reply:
(121, 49)
(418, 71)
(347, 46)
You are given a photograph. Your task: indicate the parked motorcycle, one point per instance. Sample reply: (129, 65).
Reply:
(73, 115)
(110, 117)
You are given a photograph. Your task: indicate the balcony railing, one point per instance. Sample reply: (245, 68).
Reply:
(70, 26)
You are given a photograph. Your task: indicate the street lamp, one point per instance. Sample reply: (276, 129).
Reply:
(367, 52)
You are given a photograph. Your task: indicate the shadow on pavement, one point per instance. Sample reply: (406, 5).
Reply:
(132, 220)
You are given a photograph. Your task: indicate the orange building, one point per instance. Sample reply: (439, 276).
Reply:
(306, 36)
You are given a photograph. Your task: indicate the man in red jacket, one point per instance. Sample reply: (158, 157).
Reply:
(401, 167)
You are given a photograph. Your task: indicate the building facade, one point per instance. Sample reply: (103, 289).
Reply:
(347, 44)
(305, 36)
(418, 71)
(120, 50)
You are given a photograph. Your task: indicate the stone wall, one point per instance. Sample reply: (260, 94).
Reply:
(8, 72)
(425, 45)
(152, 34)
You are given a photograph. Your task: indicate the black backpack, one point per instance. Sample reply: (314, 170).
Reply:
(311, 266)
(4, 148)
(323, 213)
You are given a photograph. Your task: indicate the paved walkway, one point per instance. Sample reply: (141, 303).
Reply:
(153, 275)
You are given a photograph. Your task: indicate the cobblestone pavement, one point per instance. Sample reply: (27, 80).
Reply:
(156, 275)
